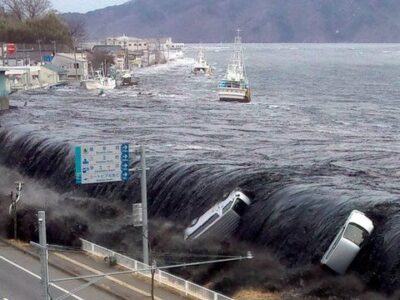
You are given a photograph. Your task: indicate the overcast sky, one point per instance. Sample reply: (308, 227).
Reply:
(83, 5)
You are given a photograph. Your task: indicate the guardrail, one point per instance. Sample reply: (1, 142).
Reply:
(186, 287)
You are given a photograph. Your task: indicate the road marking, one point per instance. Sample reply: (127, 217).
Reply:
(97, 272)
(38, 277)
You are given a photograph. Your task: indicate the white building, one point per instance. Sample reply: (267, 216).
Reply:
(51, 74)
(75, 66)
(130, 43)
(163, 48)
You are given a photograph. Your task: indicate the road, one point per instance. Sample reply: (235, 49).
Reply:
(19, 277)
(18, 283)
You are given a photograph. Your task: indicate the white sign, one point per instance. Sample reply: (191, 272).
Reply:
(101, 163)
(137, 215)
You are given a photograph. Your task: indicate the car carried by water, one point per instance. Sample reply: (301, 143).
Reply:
(348, 242)
(221, 220)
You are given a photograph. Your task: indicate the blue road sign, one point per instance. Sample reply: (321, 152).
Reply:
(101, 163)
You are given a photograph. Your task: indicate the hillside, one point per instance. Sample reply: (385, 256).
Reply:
(261, 20)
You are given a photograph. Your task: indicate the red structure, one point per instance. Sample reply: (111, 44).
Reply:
(11, 49)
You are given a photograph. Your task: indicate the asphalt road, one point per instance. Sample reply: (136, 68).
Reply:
(20, 279)
(19, 284)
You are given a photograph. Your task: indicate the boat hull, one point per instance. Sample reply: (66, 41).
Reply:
(201, 69)
(90, 84)
(96, 85)
(234, 95)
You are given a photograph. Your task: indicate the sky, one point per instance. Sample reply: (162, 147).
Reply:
(83, 5)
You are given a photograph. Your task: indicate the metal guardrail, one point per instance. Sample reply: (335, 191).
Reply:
(186, 287)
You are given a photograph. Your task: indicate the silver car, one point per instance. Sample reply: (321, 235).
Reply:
(348, 242)
(221, 220)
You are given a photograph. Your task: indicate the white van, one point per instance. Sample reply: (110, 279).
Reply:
(348, 242)
(221, 220)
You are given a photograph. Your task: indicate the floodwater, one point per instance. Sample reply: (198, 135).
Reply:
(319, 139)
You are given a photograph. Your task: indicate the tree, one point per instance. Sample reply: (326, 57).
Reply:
(77, 30)
(36, 8)
(101, 60)
(26, 9)
(47, 28)
(15, 8)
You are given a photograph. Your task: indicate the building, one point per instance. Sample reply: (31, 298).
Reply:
(130, 43)
(23, 78)
(51, 74)
(76, 65)
(145, 52)
(119, 55)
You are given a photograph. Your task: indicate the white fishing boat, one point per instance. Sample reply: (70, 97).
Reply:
(201, 65)
(99, 82)
(235, 85)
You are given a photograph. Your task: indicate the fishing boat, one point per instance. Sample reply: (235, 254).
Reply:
(99, 82)
(201, 65)
(235, 85)
(128, 80)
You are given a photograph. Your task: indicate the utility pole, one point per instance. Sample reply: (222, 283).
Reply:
(2, 54)
(14, 216)
(44, 255)
(143, 185)
(153, 271)
(24, 55)
(13, 211)
(54, 46)
(13, 207)
(75, 64)
(40, 51)
(139, 211)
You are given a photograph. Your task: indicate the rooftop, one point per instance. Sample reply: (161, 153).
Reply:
(79, 56)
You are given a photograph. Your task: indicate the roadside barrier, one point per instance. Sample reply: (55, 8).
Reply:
(186, 287)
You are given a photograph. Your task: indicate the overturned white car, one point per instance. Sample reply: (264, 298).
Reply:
(348, 242)
(221, 220)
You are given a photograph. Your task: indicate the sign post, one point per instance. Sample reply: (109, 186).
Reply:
(97, 164)
(143, 184)
(110, 163)
(44, 256)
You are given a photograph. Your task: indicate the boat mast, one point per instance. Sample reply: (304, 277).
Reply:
(238, 50)
(237, 65)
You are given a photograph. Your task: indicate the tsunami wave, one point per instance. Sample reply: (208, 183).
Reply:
(293, 214)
